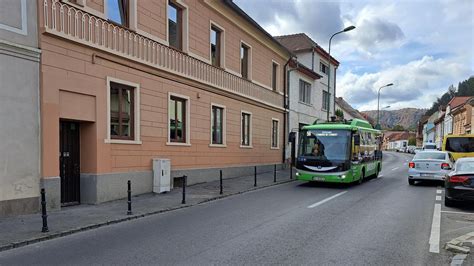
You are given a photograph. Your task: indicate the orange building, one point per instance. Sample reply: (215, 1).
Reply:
(123, 82)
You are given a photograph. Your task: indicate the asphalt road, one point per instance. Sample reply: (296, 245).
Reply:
(383, 221)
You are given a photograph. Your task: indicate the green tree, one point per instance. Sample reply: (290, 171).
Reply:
(340, 113)
(412, 141)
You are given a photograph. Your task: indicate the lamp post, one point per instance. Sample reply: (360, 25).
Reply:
(377, 126)
(329, 72)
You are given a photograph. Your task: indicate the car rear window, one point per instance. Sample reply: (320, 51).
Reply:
(429, 146)
(430, 155)
(465, 166)
(462, 144)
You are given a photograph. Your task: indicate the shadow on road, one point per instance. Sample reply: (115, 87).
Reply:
(429, 183)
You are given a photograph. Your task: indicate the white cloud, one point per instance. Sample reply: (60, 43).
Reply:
(417, 84)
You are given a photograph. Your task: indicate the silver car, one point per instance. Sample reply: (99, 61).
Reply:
(429, 165)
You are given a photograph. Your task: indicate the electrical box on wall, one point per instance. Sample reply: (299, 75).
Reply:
(161, 175)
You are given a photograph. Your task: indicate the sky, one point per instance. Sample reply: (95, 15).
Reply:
(421, 46)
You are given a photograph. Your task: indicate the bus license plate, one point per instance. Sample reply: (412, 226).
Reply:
(317, 178)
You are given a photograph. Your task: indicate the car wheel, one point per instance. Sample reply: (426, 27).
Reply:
(448, 202)
(411, 182)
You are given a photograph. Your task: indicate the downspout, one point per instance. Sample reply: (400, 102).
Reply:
(286, 83)
(312, 59)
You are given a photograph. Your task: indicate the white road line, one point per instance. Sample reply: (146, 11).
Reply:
(435, 229)
(439, 191)
(326, 200)
(438, 198)
(380, 176)
(394, 168)
(464, 213)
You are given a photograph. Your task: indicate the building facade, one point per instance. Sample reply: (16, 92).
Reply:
(309, 99)
(196, 82)
(19, 108)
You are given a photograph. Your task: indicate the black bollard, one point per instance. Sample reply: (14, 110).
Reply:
(274, 173)
(129, 194)
(220, 181)
(291, 171)
(44, 215)
(184, 189)
(255, 177)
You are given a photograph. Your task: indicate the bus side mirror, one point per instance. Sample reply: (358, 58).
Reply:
(357, 140)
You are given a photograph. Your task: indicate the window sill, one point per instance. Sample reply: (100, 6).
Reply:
(307, 104)
(178, 144)
(246, 147)
(275, 148)
(218, 145)
(122, 141)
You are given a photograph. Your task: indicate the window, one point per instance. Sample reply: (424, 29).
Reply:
(305, 92)
(274, 133)
(177, 119)
(215, 46)
(323, 68)
(117, 11)
(121, 111)
(175, 26)
(274, 75)
(245, 134)
(326, 100)
(244, 60)
(217, 125)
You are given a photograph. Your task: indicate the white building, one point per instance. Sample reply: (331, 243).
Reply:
(308, 83)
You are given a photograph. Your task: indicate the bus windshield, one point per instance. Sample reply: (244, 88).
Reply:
(461, 144)
(332, 145)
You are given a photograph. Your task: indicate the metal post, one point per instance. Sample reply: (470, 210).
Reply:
(255, 176)
(44, 215)
(184, 189)
(291, 171)
(129, 195)
(274, 173)
(220, 181)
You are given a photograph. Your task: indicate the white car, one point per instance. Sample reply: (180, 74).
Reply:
(429, 165)
(429, 147)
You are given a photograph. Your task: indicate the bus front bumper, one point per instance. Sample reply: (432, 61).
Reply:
(335, 177)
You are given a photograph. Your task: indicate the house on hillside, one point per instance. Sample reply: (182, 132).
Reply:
(439, 127)
(429, 129)
(419, 130)
(462, 116)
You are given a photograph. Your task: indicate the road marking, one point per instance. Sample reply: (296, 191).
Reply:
(380, 176)
(458, 259)
(435, 229)
(439, 191)
(438, 198)
(326, 200)
(464, 213)
(394, 168)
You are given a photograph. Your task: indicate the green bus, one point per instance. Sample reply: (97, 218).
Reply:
(339, 152)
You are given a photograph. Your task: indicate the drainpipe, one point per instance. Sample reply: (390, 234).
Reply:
(286, 102)
(312, 58)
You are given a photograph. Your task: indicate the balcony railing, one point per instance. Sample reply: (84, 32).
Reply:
(74, 24)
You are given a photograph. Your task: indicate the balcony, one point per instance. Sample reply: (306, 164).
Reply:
(78, 26)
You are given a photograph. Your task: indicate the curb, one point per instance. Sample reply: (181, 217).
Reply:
(35, 240)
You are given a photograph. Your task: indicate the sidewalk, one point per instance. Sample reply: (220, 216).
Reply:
(26, 229)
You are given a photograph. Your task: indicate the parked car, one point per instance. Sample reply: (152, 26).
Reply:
(429, 147)
(429, 165)
(411, 149)
(459, 184)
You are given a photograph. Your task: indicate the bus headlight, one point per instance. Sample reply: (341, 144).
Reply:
(297, 174)
(342, 176)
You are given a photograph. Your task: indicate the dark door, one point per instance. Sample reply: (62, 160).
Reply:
(69, 162)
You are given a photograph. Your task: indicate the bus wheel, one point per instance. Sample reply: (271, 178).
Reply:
(362, 177)
(378, 171)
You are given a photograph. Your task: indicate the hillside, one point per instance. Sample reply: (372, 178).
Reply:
(406, 117)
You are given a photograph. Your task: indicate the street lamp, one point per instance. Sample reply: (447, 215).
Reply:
(377, 126)
(329, 72)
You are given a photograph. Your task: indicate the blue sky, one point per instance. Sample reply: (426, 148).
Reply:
(422, 46)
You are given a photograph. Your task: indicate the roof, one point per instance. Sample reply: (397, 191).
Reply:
(245, 16)
(300, 42)
(396, 135)
(304, 69)
(348, 108)
(457, 101)
(353, 124)
(440, 118)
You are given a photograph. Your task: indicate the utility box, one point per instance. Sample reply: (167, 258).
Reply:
(161, 175)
